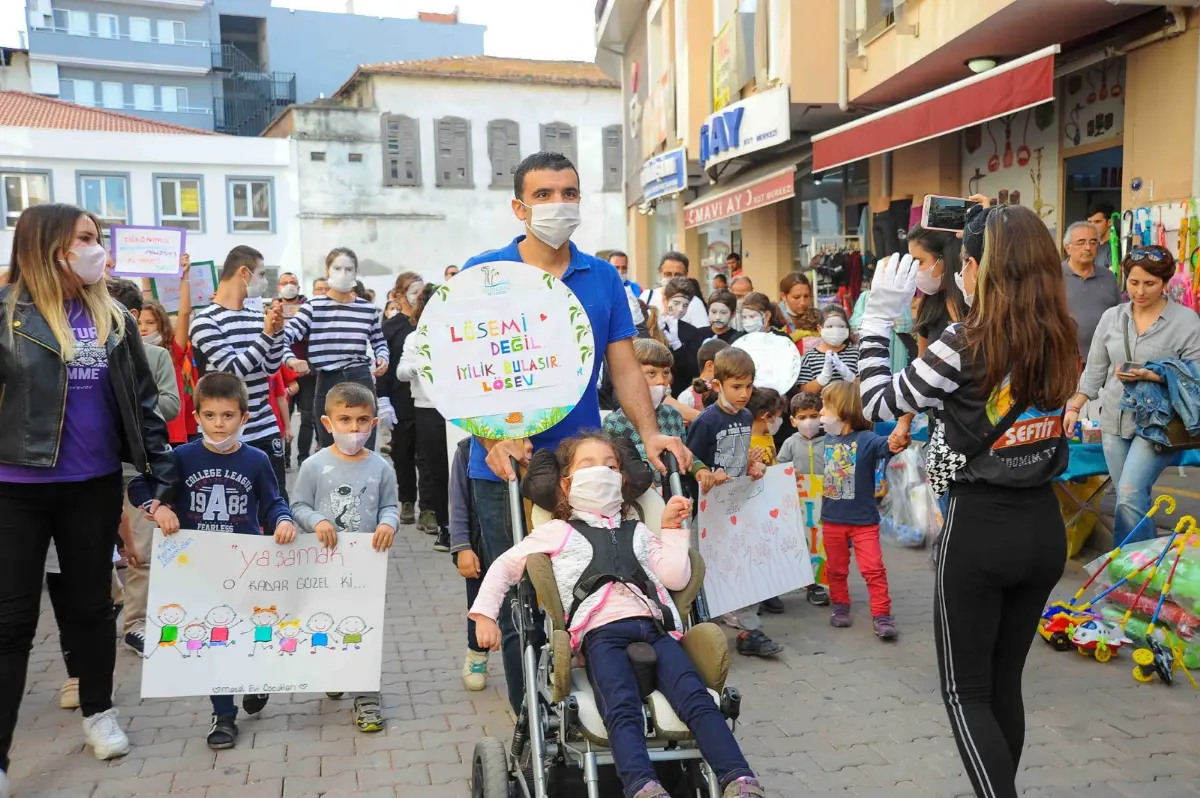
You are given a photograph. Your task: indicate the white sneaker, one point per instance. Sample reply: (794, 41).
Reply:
(68, 696)
(3, 784)
(474, 670)
(102, 732)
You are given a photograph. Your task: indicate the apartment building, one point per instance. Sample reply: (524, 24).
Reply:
(411, 163)
(224, 65)
(792, 130)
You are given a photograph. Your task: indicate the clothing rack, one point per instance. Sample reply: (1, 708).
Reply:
(822, 286)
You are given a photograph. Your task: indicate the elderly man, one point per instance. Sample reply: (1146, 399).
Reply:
(1100, 217)
(1090, 290)
(740, 286)
(675, 264)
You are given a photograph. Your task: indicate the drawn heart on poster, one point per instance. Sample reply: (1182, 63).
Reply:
(733, 520)
(775, 513)
(789, 471)
(704, 533)
(704, 504)
(543, 316)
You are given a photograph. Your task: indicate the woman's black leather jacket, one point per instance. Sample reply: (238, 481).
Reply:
(33, 395)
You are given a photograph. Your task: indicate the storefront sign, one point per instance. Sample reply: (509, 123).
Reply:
(664, 174)
(755, 123)
(724, 65)
(765, 192)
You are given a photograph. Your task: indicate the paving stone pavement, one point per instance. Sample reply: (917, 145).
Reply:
(840, 713)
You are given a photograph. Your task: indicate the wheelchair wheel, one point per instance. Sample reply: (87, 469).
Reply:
(489, 770)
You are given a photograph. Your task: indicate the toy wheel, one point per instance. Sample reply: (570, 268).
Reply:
(1060, 641)
(1141, 676)
(1143, 657)
(1083, 652)
(489, 769)
(1103, 654)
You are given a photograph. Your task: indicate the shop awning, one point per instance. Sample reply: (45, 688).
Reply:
(1006, 89)
(755, 189)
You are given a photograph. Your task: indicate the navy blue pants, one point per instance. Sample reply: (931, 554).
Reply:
(615, 687)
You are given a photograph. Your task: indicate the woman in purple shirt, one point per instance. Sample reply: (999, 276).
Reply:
(77, 399)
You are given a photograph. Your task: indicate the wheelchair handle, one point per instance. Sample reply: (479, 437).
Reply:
(516, 507)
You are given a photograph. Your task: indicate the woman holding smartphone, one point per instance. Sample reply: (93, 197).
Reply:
(1147, 327)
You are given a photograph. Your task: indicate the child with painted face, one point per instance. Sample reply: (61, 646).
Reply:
(341, 327)
(805, 450)
(347, 489)
(212, 495)
(683, 338)
(759, 314)
(591, 493)
(835, 358)
(722, 306)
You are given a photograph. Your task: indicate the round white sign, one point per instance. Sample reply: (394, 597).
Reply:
(776, 360)
(504, 350)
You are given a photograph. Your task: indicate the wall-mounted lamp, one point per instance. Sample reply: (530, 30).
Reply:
(981, 64)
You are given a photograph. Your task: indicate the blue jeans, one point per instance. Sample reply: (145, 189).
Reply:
(615, 687)
(1134, 467)
(224, 706)
(495, 538)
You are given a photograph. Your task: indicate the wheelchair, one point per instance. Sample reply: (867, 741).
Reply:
(560, 730)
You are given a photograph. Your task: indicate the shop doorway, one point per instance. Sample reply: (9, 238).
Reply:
(1091, 179)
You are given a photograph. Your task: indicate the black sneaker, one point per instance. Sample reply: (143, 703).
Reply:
(818, 596)
(253, 704)
(772, 605)
(223, 734)
(136, 640)
(442, 541)
(407, 513)
(757, 644)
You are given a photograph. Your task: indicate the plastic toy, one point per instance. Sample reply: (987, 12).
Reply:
(1161, 657)
(1059, 622)
(1099, 639)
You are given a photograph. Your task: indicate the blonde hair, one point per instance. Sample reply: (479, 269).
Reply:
(43, 237)
(293, 622)
(843, 400)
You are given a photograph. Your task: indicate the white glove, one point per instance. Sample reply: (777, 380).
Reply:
(826, 375)
(670, 328)
(841, 368)
(892, 292)
(387, 414)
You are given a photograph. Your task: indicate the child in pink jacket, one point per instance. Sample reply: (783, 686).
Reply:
(624, 572)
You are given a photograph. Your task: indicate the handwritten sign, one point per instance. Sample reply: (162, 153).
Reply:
(230, 614)
(505, 350)
(776, 360)
(809, 488)
(752, 538)
(146, 251)
(202, 279)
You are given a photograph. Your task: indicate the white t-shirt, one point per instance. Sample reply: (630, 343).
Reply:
(697, 314)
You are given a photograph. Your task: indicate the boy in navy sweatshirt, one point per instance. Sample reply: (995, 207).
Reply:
(221, 486)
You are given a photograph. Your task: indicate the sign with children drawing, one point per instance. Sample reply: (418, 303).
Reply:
(504, 350)
(753, 541)
(809, 489)
(230, 614)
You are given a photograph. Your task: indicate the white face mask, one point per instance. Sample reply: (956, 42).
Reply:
(718, 315)
(225, 446)
(752, 322)
(289, 291)
(350, 443)
(552, 223)
(927, 283)
(832, 425)
(808, 427)
(958, 280)
(775, 424)
(677, 306)
(834, 336)
(257, 287)
(658, 393)
(343, 274)
(596, 489)
(153, 339)
(88, 263)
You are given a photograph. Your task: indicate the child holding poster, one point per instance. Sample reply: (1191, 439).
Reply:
(806, 451)
(221, 486)
(721, 438)
(348, 489)
(849, 512)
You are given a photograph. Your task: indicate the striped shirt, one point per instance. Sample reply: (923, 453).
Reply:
(234, 341)
(814, 361)
(340, 334)
(924, 385)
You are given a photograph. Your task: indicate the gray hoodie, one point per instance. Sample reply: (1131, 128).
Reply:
(807, 454)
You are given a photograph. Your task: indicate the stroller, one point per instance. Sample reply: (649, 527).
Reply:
(560, 729)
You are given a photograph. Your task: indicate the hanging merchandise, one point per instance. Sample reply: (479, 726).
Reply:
(1073, 124)
(1103, 93)
(973, 183)
(973, 138)
(1116, 87)
(993, 163)
(1091, 98)
(1143, 225)
(1008, 147)
(1129, 228)
(1114, 243)
(1041, 208)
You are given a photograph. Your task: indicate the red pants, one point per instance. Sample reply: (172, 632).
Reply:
(870, 564)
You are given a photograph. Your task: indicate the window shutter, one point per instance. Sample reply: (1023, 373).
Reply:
(611, 136)
(401, 151)
(504, 150)
(453, 152)
(559, 137)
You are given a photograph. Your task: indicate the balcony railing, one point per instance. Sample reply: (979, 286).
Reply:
(228, 58)
(867, 20)
(62, 26)
(249, 101)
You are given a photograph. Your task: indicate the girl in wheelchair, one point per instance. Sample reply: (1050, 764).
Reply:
(594, 538)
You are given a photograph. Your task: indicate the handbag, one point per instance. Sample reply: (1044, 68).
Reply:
(1178, 438)
(943, 463)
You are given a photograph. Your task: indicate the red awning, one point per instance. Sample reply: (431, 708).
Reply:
(1011, 87)
(742, 197)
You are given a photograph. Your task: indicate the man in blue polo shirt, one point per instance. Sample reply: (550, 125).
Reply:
(546, 186)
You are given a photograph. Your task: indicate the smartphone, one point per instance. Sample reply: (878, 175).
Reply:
(1130, 365)
(945, 213)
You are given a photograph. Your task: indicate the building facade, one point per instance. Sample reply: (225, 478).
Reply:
(224, 65)
(754, 126)
(223, 190)
(411, 164)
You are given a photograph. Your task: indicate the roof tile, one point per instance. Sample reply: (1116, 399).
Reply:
(21, 109)
(505, 70)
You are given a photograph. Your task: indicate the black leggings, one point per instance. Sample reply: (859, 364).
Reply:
(325, 382)
(433, 467)
(1001, 553)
